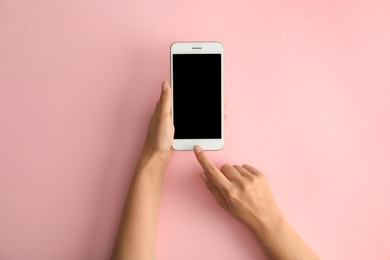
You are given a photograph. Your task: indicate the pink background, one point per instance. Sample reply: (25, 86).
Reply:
(307, 87)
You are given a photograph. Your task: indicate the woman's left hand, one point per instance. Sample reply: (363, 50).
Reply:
(160, 132)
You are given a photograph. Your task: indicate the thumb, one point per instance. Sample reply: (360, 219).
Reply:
(165, 102)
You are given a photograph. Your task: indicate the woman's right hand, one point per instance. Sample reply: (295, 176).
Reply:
(243, 191)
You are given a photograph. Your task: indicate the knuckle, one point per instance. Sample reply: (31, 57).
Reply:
(261, 178)
(247, 187)
(225, 167)
(162, 100)
(210, 169)
(163, 97)
(233, 195)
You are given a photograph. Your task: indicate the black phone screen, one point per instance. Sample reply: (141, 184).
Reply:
(197, 89)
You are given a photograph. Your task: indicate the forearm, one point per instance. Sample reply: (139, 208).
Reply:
(281, 241)
(137, 233)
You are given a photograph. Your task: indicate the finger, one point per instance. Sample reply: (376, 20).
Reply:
(252, 170)
(242, 171)
(230, 173)
(165, 102)
(211, 171)
(214, 191)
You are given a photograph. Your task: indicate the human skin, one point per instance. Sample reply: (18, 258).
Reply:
(243, 191)
(136, 238)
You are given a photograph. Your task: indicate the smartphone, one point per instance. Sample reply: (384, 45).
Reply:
(197, 85)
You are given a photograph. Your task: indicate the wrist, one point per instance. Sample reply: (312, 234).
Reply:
(266, 226)
(158, 159)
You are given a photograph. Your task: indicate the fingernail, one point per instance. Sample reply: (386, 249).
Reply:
(197, 149)
(164, 86)
(204, 177)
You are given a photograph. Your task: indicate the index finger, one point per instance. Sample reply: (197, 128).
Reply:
(211, 171)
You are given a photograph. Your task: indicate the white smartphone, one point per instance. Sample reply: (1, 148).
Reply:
(197, 85)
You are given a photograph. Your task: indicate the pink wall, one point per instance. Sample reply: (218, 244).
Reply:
(308, 103)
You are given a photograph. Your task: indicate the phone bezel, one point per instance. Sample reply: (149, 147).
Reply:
(199, 48)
